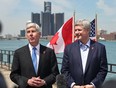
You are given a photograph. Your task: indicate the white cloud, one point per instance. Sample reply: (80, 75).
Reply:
(107, 9)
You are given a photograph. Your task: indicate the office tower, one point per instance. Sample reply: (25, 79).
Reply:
(22, 33)
(47, 7)
(52, 24)
(46, 19)
(58, 21)
(46, 23)
(35, 17)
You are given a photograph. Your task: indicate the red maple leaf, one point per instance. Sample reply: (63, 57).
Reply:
(54, 39)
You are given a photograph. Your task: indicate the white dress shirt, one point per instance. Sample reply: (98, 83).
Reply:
(84, 48)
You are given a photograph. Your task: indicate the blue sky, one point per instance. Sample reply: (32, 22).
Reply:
(15, 13)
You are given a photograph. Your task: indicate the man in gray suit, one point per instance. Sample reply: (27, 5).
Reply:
(23, 72)
(84, 61)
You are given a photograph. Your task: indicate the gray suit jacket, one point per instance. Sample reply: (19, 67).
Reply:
(22, 67)
(96, 66)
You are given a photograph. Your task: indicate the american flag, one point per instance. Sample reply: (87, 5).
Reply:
(92, 31)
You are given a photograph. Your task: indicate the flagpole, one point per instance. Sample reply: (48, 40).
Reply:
(96, 31)
(73, 24)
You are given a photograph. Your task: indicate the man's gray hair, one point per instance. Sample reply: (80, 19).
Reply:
(34, 25)
(84, 23)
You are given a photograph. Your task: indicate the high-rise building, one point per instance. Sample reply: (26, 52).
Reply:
(47, 7)
(50, 23)
(35, 18)
(22, 33)
(46, 23)
(58, 21)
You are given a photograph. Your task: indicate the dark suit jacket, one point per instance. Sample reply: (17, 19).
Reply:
(22, 67)
(96, 66)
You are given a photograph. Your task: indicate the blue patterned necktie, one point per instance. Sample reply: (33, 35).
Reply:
(84, 47)
(34, 58)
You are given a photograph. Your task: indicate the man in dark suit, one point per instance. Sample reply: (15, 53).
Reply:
(84, 61)
(23, 72)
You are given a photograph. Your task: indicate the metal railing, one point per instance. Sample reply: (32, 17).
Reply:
(112, 68)
(6, 57)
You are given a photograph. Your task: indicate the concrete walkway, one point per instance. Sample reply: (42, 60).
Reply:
(10, 84)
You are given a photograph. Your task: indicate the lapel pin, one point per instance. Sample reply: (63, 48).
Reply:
(92, 47)
(43, 52)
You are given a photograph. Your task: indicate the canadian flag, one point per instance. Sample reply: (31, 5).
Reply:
(62, 37)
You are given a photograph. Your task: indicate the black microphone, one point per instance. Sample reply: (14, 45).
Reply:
(0, 27)
(111, 83)
(2, 81)
(61, 81)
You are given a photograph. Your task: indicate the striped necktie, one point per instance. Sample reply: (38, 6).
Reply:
(84, 47)
(34, 59)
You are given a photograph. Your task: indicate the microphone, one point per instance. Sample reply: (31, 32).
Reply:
(2, 81)
(109, 84)
(61, 81)
(0, 27)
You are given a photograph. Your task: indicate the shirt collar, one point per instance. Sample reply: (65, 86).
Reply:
(88, 43)
(37, 47)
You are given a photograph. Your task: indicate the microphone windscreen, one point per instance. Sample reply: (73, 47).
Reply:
(61, 81)
(0, 27)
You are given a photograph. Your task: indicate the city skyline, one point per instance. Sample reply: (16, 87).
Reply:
(15, 13)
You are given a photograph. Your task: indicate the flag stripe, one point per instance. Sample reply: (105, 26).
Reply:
(67, 32)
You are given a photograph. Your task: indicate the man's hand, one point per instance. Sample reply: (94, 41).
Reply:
(77, 86)
(85, 86)
(36, 82)
(89, 86)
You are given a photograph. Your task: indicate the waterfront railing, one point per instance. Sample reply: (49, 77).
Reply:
(6, 57)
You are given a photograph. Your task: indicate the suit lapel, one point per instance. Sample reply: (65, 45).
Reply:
(78, 57)
(90, 54)
(41, 59)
